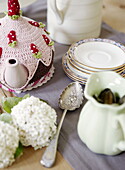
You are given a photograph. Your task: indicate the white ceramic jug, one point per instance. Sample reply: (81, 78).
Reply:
(72, 20)
(102, 126)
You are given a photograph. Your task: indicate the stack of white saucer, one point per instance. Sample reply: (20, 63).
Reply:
(93, 55)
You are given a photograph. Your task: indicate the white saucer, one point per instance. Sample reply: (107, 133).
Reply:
(70, 73)
(98, 54)
(76, 71)
(79, 75)
(87, 70)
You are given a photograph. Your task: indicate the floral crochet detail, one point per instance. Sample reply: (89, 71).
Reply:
(35, 51)
(0, 51)
(12, 39)
(47, 40)
(37, 24)
(13, 9)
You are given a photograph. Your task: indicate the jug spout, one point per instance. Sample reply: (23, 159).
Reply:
(15, 74)
(58, 13)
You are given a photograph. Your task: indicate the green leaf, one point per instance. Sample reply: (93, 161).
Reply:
(13, 44)
(51, 43)
(38, 55)
(9, 102)
(14, 17)
(19, 151)
(43, 101)
(41, 25)
(6, 117)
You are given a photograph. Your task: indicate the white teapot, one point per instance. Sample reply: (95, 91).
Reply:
(15, 74)
(72, 20)
(102, 126)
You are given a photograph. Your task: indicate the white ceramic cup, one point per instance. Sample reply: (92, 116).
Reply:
(71, 20)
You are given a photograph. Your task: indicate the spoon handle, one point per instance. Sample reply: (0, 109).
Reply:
(49, 155)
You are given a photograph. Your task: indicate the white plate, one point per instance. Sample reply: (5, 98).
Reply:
(75, 76)
(91, 70)
(70, 73)
(23, 3)
(76, 65)
(76, 79)
(98, 53)
(85, 73)
(76, 71)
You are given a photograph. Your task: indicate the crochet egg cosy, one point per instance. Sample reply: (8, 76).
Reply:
(26, 51)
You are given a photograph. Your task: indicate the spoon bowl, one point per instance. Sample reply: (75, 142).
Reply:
(70, 99)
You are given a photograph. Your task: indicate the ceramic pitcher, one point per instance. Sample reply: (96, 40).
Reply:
(72, 20)
(102, 126)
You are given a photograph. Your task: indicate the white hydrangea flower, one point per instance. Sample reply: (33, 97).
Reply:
(9, 141)
(36, 122)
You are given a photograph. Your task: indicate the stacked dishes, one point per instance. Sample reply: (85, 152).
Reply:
(92, 55)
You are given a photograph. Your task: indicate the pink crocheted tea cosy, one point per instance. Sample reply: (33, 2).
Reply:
(26, 51)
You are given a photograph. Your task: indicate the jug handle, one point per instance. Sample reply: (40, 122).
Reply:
(121, 121)
(59, 14)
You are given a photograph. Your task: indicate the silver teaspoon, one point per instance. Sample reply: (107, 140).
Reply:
(70, 99)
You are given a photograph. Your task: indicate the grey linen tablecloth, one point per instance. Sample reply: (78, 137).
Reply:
(70, 146)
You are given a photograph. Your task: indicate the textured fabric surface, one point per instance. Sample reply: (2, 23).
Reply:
(70, 146)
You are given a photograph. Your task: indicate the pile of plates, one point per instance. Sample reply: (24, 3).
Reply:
(92, 55)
